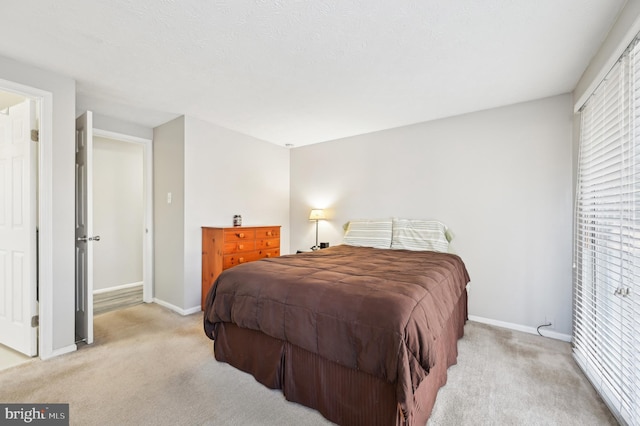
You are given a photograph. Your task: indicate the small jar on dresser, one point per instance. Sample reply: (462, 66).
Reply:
(224, 248)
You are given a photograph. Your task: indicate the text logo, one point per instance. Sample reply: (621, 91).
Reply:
(34, 414)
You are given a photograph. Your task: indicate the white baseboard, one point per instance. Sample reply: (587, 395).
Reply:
(174, 308)
(118, 287)
(526, 329)
(58, 352)
(193, 310)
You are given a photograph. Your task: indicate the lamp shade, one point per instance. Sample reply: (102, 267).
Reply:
(316, 214)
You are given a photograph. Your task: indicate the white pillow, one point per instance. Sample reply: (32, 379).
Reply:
(369, 233)
(420, 235)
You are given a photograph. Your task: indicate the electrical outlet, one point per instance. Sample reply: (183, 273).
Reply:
(548, 319)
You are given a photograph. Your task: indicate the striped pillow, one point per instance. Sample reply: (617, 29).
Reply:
(369, 233)
(417, 235)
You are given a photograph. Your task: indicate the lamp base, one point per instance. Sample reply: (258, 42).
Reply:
(314, 248)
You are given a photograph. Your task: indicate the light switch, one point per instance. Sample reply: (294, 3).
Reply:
(168, 198)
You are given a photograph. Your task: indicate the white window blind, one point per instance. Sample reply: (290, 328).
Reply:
(606, 326)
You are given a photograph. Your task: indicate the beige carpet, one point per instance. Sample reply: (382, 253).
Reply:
(150, 366)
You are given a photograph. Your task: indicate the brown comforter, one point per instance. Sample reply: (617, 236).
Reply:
(368, 309)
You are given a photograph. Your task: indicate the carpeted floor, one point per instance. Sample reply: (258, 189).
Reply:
(150, 366)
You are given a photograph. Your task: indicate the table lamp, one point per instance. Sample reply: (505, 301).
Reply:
(316, 214)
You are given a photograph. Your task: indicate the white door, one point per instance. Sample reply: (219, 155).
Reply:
(84, 228)
(18, 221)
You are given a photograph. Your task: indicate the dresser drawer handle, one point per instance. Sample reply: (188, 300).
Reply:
(241, 260)
(269, 233)
(240, 246)
(240, 234)
(268, 243)
(268, 255)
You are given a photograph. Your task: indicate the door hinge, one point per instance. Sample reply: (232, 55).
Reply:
(35, 135)
(35, 321)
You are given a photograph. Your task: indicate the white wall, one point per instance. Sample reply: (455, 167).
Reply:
(118, 212)
(168, 177)
(212, 173)
(501, 179)
(228, 173)
(62, 89)
(111, 124)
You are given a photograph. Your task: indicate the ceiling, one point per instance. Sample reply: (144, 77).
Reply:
(300, 72)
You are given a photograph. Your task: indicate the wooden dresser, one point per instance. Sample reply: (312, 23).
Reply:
(224, 248)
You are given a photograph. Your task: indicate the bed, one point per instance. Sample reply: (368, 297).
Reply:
(362, 334)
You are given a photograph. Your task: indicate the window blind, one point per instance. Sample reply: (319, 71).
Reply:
(606, 311)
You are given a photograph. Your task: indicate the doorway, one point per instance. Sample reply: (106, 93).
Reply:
(118, 218)
(135, 144)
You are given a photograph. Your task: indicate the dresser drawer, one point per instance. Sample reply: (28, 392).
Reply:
(270, 243)
(231, 260)
(268, 232)
(266, 253)
(239, 246)
(239, 235)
